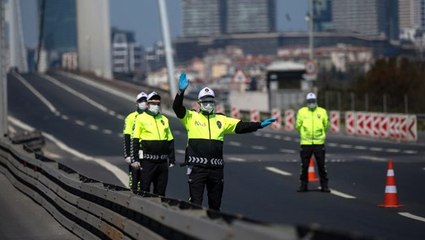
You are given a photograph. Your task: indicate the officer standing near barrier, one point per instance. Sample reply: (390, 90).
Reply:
(312, 123)
(133, 172)
(153, 147)
(204, 150)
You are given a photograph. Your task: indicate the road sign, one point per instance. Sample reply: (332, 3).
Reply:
(240, 77)
(310, 68)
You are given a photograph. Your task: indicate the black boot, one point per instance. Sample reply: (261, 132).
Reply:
(302, 188)
(325, 188)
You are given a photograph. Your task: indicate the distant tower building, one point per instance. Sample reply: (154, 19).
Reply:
(322, 15)
(202, 17)
(250, 16)
(216, 17)
(59, 29)
(412, 14)
(367, 17)
(126, 53)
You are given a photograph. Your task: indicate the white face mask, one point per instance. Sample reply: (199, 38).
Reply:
(142, 106)
(154, 109)
(311, 105)
(208, 107)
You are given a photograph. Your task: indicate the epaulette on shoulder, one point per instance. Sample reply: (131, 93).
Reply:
(221, 114)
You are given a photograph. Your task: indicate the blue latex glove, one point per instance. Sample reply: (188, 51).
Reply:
(183, 82)
(267, 122)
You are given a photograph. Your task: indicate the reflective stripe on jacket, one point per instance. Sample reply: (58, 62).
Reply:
(205, 137)
(312, 125)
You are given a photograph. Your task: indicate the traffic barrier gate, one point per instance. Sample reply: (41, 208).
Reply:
(289, 120)
(335, 120)
(276, 114)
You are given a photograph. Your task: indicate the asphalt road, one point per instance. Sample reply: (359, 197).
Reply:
(261, 173)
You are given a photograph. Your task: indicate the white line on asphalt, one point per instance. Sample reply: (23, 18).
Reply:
(277, 137)
(93, 127)
(287, 138)
(36, 93)
(72, 91)
(332, 144)
(233, 143)
(376, 149)
(267, 135)
(120, 174)
(360, 147)
(409, 215)
(341, 194)
(64, 117)
(393, 150)
(236, 159)
(79, 122)
(287, 150)
(121, 117)
(107, 131)
(346, 146)
(256, 147)
(278, 171)
(258, 134)
(372, 158)
(410, 151)
(180, 151)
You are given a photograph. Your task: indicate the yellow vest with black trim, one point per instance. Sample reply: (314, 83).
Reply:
(205, 135)
(129, 123)
(312, 125)
(154, 135)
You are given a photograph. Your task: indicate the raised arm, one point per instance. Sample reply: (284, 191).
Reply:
(178, 107)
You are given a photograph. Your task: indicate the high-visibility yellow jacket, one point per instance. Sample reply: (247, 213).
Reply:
(312, 125)
(128, 131)
(152, 135)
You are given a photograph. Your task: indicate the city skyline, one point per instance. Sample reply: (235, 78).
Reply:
(142, 17)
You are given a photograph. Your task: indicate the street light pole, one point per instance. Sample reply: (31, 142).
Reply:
(168, 49)
(310, 29)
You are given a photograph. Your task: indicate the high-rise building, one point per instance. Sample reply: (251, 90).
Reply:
(60, 26)
(367, 17)
(250, 16)
(216, 17)
(126, 53)
(412, 14)
(322, 15)
(202, 17)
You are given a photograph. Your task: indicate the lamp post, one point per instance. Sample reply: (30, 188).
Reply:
(3, 77)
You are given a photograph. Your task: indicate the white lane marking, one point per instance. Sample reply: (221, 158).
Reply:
(341, 194)
(372, 158)
(410, 151)
(64, 117)
(107, 131)
(79, 122)
(360, 147)
(287, 138)
(11, 129)
(93, 127)
(332, 144)
(346, 146)
(233, 143)
(375, 149)
(277, 137)
(287, 150)
(267, 135)
(180, 151)
(236, 159)
(120, 174)
(423, 168)
(256, 147)
(278, 171)
(36, 93)
(258, 134)
(393, 150)
(121, 117)
(409, 215)
(72, 91)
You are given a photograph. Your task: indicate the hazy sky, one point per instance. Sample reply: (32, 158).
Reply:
(142, 17)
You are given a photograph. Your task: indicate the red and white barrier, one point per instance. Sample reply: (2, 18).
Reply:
(350, 123)
(235, 113)
(411, 128)
(335, 121)
(254, 115)
(276, 114)
(289, 120)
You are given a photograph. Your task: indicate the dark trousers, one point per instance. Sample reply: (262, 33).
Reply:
(134, 179)
(156, 173)
(213, 179)
(319, 154)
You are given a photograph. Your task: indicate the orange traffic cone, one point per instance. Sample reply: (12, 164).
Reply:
(390, 198)
(311, 174)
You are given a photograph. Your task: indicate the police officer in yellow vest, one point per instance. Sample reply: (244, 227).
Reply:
(133, 173)
(312, 123)
(204, 150)
(153, 147)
